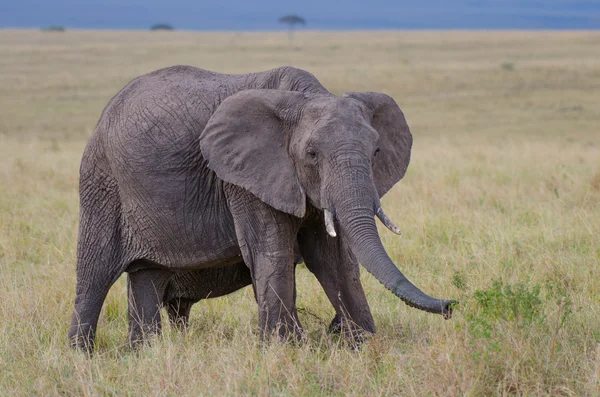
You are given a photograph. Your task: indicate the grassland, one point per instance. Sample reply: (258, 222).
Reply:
(500, 209)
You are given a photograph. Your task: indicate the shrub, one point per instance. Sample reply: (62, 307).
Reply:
(508, 66)
(54, 28)
(162, 26)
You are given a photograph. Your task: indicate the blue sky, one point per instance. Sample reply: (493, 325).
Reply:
(320, 14)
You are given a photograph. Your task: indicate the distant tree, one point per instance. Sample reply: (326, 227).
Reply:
(53, 28)
(292, 20)
(162, 26)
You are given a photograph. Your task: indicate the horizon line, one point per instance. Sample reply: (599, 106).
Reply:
(383, 29)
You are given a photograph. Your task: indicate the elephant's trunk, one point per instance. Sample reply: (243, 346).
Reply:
(355, 213)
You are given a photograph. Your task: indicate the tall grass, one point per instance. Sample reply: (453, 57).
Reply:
(500, 209)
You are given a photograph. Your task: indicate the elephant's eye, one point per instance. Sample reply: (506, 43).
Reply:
(312, 153)
(376, 151)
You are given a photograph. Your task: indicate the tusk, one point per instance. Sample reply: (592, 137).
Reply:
(329, 223)
(387, 222)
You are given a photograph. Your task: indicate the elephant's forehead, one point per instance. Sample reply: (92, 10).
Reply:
(333, 128)
(332, 108)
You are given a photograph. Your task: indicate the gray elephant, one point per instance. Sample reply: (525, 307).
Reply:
(189, 169)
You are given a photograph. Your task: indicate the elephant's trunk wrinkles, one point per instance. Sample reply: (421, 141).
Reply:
(356, 217)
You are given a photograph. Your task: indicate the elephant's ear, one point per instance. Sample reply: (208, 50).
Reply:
(245, 143)
(390, 164)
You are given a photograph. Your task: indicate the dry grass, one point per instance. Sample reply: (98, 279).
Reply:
(503, 187)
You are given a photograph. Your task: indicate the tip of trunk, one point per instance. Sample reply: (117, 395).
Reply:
(445, 307)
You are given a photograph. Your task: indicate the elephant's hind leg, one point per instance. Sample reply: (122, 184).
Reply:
(185, 289)
(179, 312)
(99, 256)
(146, 290)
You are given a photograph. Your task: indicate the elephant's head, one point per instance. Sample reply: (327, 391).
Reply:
(341, 154)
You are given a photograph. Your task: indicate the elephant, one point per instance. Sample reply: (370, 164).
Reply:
(189, 169)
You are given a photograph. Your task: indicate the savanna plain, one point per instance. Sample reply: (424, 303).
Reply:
(500, 209)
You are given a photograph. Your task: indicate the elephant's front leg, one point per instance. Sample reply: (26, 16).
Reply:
(274, 287)
(266, 238)
(331, 261)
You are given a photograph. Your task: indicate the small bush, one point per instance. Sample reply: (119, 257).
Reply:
(517, 303)
(54, 28)
(162, 26)
(508, 66)
(505, 317)
(458, 280)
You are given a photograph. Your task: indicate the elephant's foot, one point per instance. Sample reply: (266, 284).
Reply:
(140, 335)
(355, 335)
(81, 337)
(286, 329)
(179, 313)
(295, 334)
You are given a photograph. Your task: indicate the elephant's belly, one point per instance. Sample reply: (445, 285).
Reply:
(196, 244)
(201, 251)
(185, 264)
(183, 232)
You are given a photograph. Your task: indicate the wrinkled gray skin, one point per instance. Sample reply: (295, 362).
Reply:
(190, 169)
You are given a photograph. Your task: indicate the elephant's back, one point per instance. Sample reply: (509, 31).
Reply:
(148, 136)
(150, 105)
(161, 112)
(174, 87)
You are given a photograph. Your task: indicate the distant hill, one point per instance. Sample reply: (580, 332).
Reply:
(320, 14)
